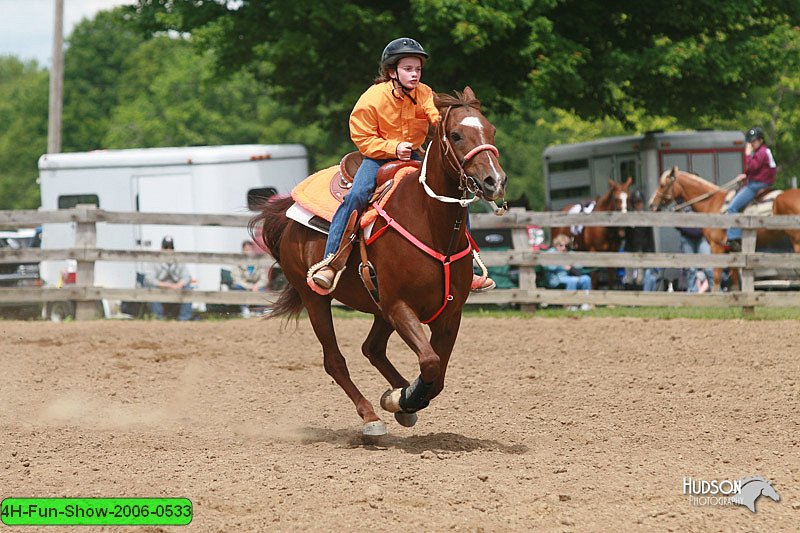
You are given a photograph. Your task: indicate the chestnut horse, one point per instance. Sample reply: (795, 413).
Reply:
(422, 261)
(599, 238)
(678, 184)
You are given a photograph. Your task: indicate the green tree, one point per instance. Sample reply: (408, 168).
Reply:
(23, 131)
(96, 56)
(596, 57)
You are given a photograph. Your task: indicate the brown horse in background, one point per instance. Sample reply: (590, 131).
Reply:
(599, 238)
(427, 281)
(678, 184)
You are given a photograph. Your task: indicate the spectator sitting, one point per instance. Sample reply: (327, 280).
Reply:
(693, 242)
(567, 277)
(170, 275)
(249, 276)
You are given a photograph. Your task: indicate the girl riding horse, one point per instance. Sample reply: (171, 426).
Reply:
(389, 121)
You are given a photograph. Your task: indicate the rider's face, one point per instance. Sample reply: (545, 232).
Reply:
(409, 71)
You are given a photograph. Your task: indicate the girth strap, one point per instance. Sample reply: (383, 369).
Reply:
(445, 260)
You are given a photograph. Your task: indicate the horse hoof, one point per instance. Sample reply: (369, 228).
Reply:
(406, 419)
(374, 429)
(390, 401)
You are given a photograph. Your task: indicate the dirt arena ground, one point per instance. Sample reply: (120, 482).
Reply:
(584, 424)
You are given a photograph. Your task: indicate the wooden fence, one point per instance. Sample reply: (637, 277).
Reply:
(85, 253)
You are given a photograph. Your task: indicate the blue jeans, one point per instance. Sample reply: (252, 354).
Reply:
(740, 201)
(357, 199)
(650, 282)
(571, 283)
(696, 245)
(185, 312)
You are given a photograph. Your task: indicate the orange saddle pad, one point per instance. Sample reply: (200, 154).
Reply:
(314, 193)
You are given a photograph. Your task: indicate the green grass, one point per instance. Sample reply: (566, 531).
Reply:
(665, 313)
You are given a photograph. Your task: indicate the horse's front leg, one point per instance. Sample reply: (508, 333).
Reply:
(443, 338)
(415, 396)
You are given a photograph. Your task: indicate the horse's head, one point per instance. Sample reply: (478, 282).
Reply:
(618, 194)
(664, 193)
(467, 140)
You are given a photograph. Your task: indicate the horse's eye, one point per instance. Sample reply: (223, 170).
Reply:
(455, 137)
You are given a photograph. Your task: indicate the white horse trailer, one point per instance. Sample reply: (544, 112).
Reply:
(198, 179)
(579, 172)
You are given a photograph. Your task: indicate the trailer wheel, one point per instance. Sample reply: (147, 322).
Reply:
(60, 311)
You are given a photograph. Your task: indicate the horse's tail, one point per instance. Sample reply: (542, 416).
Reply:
(273, 222)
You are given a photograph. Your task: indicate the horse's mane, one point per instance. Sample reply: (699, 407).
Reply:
(695, 177)
(443, 101)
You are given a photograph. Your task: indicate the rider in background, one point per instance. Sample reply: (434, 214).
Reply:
(390, 121)
(760, 170)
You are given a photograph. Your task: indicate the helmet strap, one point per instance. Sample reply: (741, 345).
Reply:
(398, 85)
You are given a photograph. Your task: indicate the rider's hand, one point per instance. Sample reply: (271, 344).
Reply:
(404, 151)
(748, 148)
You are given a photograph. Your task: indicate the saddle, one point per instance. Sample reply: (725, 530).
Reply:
(761, 204)
(318, 197)
(321, 193)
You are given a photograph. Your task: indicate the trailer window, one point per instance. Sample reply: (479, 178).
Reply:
(563, 166)
(71, 200)
(573, 193)
(256, 197)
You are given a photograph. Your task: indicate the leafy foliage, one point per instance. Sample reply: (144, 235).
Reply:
(23, 131)
(186, 72)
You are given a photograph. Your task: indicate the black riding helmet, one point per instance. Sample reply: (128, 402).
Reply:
(399, 48)
(754, 133)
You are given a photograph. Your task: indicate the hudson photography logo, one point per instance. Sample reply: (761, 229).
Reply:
(744, 491)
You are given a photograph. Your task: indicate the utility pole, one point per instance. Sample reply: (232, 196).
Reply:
(56, 82)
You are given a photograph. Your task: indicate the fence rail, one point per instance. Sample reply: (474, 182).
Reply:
(85, 252)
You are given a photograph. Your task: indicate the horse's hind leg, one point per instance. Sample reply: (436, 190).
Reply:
(374, 349)
(319, 313)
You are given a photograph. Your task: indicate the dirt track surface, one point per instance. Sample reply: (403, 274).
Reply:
(554, 424)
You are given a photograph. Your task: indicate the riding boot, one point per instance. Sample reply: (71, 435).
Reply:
(481, 284)
(327, 275)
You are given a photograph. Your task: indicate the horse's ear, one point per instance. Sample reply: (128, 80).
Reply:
(611, 183)
(674, 172)
(468, 93)
(628, 182)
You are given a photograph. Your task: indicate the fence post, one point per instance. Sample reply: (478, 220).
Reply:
(527, 274)
(748, 275)
(86, 240)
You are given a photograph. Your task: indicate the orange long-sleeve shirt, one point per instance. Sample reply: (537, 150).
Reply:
(380, 121)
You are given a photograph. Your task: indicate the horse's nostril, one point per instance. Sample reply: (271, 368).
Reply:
(489, 182)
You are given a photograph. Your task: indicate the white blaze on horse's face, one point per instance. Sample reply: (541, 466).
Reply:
(474, 122)
(497, 174)
(623, 198)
